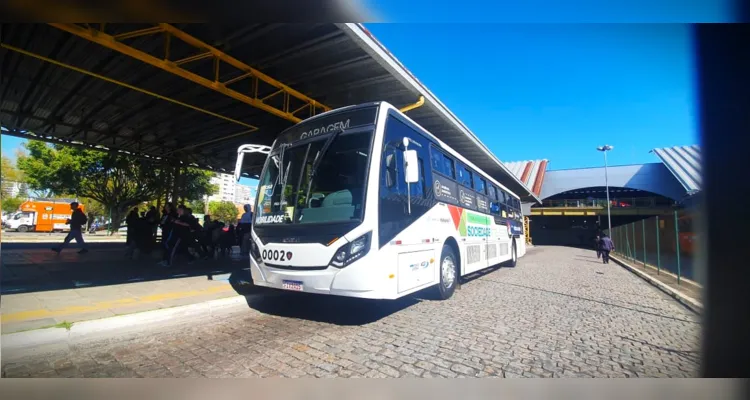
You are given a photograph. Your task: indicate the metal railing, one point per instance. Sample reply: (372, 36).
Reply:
(664, 242)
(623, 202)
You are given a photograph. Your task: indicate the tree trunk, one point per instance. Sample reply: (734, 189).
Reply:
(176, 185)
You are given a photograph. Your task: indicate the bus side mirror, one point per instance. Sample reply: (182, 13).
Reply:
(245, 149)
(411, 166)
(238, 165)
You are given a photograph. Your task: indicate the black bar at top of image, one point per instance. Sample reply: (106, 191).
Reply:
(723, 68)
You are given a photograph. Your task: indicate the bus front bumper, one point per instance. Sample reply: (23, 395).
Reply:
(352, 281)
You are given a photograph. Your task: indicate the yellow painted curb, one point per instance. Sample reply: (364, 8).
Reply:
(105, 305)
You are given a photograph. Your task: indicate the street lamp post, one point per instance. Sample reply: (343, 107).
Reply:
(604, 149)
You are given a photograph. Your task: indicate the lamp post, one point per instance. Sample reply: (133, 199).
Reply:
(604, 149)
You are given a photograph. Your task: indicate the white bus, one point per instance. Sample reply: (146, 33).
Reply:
(363, 202)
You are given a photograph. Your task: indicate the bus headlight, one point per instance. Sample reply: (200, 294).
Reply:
(254, 251)
(351, 251)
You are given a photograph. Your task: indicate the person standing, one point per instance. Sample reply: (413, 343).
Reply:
(131, 241)
(152, 217)
(605, 246)
(243, 229)
(76, 221)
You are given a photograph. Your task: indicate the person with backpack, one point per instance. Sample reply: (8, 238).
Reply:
(76, 221)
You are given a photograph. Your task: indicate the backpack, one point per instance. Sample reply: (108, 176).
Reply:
(82, 216)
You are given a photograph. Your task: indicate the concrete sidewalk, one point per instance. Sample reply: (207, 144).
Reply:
(42, 289)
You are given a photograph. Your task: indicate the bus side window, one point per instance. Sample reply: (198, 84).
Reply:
(492, 193)
(463, 176)
(419, 189)
(442, 163)
(391, 167)
(479, 184)
(437, 159)
(391, 171)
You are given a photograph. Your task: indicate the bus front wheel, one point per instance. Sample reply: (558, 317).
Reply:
(23, 228)
(448, 273)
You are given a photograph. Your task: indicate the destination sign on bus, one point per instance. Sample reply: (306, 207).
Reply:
(328, 124)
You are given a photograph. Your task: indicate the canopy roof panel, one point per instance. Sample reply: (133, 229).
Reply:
(60, 85)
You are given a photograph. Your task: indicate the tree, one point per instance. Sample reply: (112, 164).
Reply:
(192, 185)
(115, 181)
(11, 204)
(9, 171)
(94, 209)
(11, 179)
(198, 206)
(224, 211)
(195, 184)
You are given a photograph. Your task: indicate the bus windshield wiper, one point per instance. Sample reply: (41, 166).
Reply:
(280, 178)
(319, 159)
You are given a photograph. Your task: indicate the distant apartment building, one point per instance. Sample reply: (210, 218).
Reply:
(225, 184)
(14, 189)
(230, 190)
(244, 194)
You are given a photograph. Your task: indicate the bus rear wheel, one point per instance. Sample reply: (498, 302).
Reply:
(448, 273)
(513, 255)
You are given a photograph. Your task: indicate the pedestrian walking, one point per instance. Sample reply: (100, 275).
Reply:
(605, 246)
(596, 246)
(76, 221)
(179, 237)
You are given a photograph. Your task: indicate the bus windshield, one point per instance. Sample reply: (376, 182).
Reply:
(289, 192)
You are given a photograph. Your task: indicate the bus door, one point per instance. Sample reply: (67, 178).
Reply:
(402, 207)
(493, 240)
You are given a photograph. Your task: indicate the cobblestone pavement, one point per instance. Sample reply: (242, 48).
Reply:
(559, 313)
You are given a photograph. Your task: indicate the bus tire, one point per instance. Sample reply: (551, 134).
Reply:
(449, 274)
(513, 255)
(23, 228)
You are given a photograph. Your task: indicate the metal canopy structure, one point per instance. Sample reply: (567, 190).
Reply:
(191, 94)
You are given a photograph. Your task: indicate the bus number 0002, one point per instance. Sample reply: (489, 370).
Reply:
(275, 255)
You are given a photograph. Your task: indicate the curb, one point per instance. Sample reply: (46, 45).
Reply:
(122, 324)
(689, 302)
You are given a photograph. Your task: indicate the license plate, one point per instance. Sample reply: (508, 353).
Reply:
(292, 285)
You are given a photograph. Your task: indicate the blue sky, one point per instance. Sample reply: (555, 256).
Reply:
(558, 91)
(546, 11)
(534, 91)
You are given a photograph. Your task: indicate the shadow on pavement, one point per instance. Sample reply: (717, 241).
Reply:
(335, 310)
(33, 267)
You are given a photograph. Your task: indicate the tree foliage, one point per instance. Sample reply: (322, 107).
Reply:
(115, 181)
(198, 206)
(9, 171)
(11, 204)
(224, 211)
(196, 184)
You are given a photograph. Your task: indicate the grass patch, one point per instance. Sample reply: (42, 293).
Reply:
(65, 324)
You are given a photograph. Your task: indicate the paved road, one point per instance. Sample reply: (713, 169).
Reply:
(559, 313)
